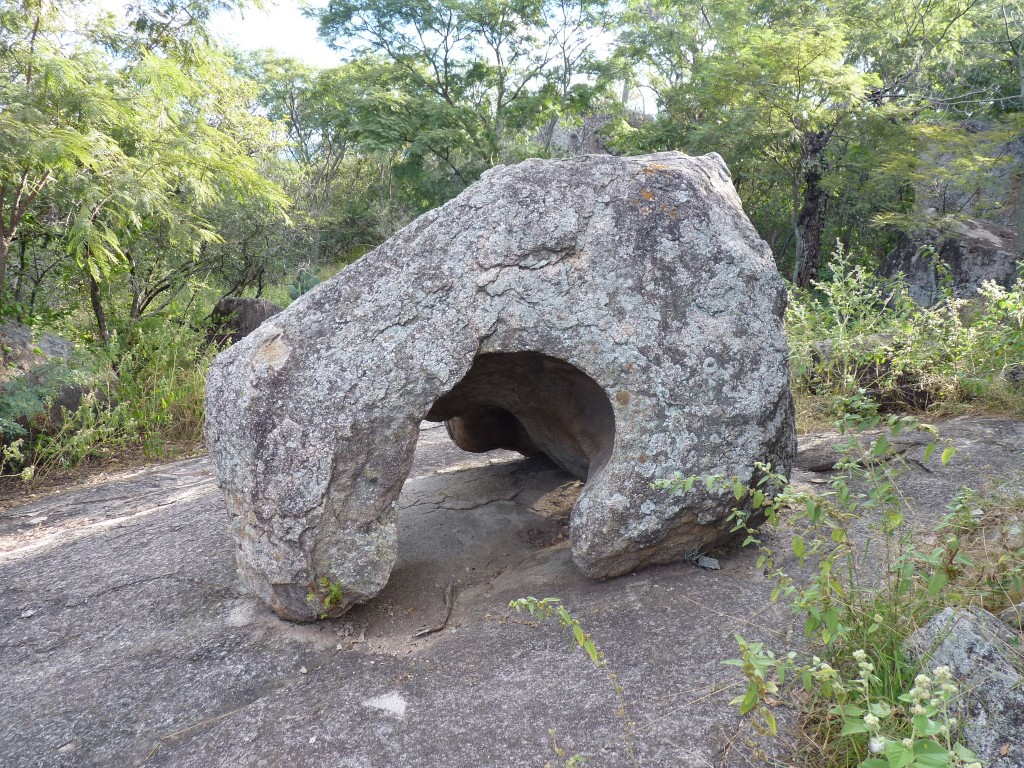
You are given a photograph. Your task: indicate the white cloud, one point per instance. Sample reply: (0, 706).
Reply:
(280, 27)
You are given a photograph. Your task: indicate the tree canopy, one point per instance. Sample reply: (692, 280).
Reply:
(142, 161)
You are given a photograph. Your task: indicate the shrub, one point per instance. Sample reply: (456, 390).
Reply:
(146, 393)
(860, 332)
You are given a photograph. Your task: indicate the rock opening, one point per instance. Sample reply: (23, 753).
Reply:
(530, 403)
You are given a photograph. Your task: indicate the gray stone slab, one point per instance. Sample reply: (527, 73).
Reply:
(139, 647)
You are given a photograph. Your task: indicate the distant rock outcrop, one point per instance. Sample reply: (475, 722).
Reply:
(23, 349)
(37, 383)
(620, 315)
(971, 251)
(582, 139)
(234, 318)
(592, 135)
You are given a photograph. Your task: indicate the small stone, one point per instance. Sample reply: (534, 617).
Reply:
(709, 563)
(28, 613)
(303, 670)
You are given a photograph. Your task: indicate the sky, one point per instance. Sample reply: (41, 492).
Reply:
(281, 27)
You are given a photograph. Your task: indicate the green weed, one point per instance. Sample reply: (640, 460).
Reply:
(326, 592)
(546, 608)
(862, 585)
(145, 392)
(857, 332)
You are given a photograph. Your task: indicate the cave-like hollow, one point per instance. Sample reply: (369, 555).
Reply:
(530, 403)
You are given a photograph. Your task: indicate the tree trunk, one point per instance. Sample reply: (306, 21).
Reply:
(19, 275)
(548, 132)
(811, 219)
(5, 251)
(97, 309)
(1018, 211)
(133, 281)
(1018, 54)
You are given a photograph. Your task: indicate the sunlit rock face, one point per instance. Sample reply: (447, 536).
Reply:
(620, 315)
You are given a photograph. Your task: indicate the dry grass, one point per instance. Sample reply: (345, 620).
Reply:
(991, 536)
(818, 412)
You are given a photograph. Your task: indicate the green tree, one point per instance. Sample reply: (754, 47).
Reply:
(800, 98)
(57, 109)
(123, 158)
(472, 82)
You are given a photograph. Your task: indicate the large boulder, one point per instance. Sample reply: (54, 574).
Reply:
(621, 316)
(235, 317)
(969, 251)
(23, 348)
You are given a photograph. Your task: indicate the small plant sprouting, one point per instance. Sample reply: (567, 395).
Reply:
(327, 592)
(757, 664)
(548, 607)
(545, 608)
(571, 761)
